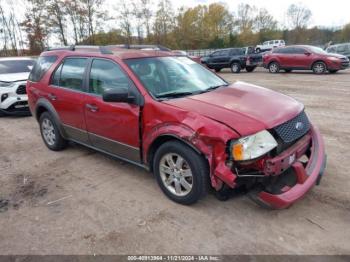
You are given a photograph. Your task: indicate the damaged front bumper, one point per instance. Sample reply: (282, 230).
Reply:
(287, 177)
(306, 176)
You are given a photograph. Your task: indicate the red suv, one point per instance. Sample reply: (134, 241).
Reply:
(179, 120)
(304, 57)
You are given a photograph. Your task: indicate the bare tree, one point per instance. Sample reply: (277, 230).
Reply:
(147, 16)
(10, 31)
(57, 18)
(164, 21)
(264, 21)
(125, 19)
(245, 17)
(139, 23)
(77, 17)
(298, 16)
(94, 13)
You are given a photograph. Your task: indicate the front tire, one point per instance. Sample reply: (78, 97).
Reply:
(319, 68)
(50, 133)
(274, 67)
(333, 71)
(217, 70)
(235, 67)
(181, 173)
(288, 70)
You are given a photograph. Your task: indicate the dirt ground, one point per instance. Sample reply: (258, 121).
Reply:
(81, 202)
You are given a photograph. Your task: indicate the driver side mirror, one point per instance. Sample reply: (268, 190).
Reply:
(117, 95)
(307, 53)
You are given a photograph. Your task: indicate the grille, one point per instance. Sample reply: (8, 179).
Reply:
(294, 128)
(21, 90)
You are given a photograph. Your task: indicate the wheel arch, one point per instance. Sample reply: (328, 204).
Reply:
(161, 139)
(316, 61)
(273, 61)
(44, 105)
(235, 60)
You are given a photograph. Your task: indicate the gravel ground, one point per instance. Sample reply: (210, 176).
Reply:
(82, 202)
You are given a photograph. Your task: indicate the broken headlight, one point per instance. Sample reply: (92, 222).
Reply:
(251, 147)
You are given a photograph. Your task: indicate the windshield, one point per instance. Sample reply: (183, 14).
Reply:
(171, 76)
(318, 50)
(16, 66)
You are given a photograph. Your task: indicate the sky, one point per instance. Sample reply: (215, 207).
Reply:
(330, 13)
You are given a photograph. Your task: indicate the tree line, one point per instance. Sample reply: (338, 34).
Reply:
(65, 22)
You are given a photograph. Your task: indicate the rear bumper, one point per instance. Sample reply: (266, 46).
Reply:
(306, 177)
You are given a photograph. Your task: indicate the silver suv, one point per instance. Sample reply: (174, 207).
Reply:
(342, 49)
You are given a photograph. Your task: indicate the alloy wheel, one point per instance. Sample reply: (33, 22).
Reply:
(273, 68)
(48, 131)
(176, 174)
(319, 68)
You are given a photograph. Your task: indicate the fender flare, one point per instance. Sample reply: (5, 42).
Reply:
(44, 103)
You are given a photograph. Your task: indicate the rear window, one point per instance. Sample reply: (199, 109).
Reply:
(70, 74)
(16, 66)
(41, 66)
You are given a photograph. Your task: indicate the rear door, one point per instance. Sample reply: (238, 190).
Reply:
(112, 127)
(67, 94)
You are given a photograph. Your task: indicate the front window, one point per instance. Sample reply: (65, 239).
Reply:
(16, 66)
(166, 77)
(105, 75)
(317, 50)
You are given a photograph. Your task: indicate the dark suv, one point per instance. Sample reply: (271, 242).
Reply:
(234, 58)
(181, 121)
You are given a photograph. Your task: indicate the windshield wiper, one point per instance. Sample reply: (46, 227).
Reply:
(213, 88)
(174, 94)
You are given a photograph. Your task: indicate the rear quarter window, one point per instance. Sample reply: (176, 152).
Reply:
(41, 66)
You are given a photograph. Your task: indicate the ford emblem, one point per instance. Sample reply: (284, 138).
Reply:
(299, 126)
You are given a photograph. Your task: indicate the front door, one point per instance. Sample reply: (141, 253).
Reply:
(112, 127)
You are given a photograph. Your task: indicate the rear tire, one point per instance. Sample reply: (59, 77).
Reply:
(319, 68)
(250, 68)
(217, 70)
(50, 133)
(235, 67)
(258, 50)
(274, 67)
(181, 173)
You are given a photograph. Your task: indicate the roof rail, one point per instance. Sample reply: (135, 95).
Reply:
(101, 49)
(71, 48)
(154, 47)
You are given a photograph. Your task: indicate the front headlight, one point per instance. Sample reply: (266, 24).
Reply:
(254, 146)
(7, 84)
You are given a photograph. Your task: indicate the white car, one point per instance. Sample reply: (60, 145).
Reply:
(14, 72)
(269, 45)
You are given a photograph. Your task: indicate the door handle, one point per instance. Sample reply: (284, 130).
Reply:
(92, 108)
(52, 97)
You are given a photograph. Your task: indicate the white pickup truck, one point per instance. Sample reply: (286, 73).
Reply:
(268, 45)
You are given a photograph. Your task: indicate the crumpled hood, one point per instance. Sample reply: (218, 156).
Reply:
(14, 77)
(244, 107)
